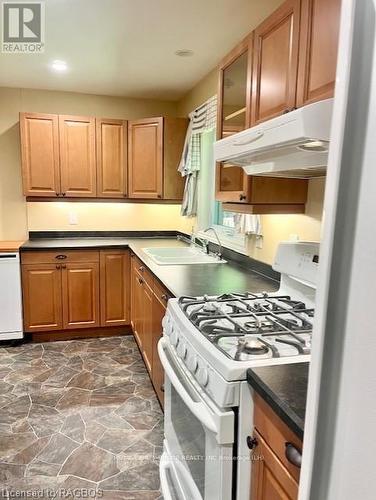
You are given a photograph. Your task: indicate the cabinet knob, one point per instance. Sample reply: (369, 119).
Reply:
(140, 281)
(251, 442)
(63, 194)
(162, 388)
(57, 194)
(164, 297)
(141, 268)
(63, 266)
(159, 196)
(242, 197)
(57, 266)
(293, 455)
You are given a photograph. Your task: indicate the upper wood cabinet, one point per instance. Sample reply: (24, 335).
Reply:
(111, 158)
(319, 36)
(233, 116)
(145, 158)
(154, 150)
(275, 63)
(114, 287)
(77, 156)
(40, 154)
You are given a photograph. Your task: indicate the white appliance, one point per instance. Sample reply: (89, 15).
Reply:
(292, 145)
(207, 346)
(10, 297)
(340, 425)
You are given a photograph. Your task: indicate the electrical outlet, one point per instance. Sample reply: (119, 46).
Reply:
(73, 219)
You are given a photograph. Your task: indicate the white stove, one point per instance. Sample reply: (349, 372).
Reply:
(207, 347)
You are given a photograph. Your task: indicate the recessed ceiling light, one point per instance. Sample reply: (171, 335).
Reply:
(59, 66)
(184, 53)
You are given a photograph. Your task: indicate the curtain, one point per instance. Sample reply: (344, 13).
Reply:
(201, 119)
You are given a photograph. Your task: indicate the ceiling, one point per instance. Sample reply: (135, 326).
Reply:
(126, 47)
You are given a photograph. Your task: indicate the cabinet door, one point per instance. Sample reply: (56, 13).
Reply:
(80, 295)
(111, 158)
(318, 50)
(269, 478)
(159, 310)
(42, 299)
(275, 61)
(233, 116)
(136, 304)
(77, 156)
(40, 154)
(147, 339)
(145, 158)
(114, 287)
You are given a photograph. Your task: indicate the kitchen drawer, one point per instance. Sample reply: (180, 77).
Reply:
(161, 292)
(143, 271)
(276, 434)
(61, 256)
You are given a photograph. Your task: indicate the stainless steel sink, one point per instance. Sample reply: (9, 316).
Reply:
(165, 256)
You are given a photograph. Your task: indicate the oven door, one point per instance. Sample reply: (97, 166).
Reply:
(197, 461)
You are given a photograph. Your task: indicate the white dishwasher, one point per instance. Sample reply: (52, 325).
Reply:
(10, 296)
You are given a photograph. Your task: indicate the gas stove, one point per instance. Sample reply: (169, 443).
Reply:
(246, 326)
(229, 333)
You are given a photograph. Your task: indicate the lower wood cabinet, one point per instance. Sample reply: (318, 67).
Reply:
(149, 301)
(42, 297)
(114, 287)
(273, 475)
(76, 289)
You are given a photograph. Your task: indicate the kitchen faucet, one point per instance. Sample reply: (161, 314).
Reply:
(219, 253)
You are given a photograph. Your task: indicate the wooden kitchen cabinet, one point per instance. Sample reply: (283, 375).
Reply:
(80, 286)
(160, 298)
(77, 156)
(60, 290)
(40, 154)
(233, 116)
(111, 140)
(273, 476)
(42, 297)
(154, 150)
(275, 63)
(136, 304)
(115, 287)
(319, 36)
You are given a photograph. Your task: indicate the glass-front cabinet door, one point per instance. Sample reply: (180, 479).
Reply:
(233, 117)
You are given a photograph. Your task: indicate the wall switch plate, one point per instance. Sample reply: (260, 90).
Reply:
(73, 219)
(294, 237)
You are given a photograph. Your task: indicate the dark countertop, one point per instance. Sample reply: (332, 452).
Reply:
(194, 280)
(284, 388)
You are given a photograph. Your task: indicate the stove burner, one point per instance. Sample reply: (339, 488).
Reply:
(252, 346)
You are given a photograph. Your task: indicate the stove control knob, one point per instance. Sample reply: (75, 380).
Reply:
(192, 363)
(203, 377)
(174, 338)
(182, 350)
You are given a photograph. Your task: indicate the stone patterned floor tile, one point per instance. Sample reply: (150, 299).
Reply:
(79, 414)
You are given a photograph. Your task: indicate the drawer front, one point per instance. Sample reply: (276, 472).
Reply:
(59, 256)
(276, 434)
(161, 292)
(143, 271)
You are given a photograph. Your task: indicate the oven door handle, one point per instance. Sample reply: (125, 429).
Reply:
(199, 409)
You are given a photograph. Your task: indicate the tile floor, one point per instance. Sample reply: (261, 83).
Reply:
(78, 415)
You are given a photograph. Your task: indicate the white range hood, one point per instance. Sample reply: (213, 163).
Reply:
(292, 145)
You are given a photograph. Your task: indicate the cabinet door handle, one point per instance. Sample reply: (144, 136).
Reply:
(63, 194)
(141, 269)
(63, 266)
(58, 266)
(251, 442)
(57, 194)
(242, 197)
(140, 281)
(159, 196)
(293, 455)
(164, 297)
(61, 257)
